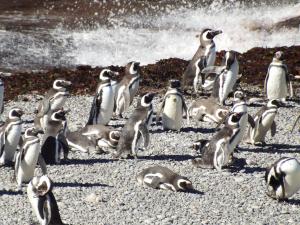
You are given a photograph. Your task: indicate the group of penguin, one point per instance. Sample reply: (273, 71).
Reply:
(48, 141)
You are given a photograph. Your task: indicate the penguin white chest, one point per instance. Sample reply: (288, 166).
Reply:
(264, 126)
(12, 140)
(29, 162)
(134, 85)
(210, 56)
(172, 113)
(276, 83)
(107, 105)
(227, 81)
(58, 102)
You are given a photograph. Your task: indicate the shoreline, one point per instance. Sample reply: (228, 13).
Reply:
(253, 65)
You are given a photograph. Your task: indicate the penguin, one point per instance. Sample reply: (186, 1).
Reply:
(159, 177)
(54, 142)
(10, 134)
(208, 110)
(128, 87)
(28, 157)
(277, 79)
(172, 107)
(103, 103)
(1, 96)
(262, 123)
(226, 78)
(54, 99)
(217, 152)
(135, 128)
(283, 178)
(43, 202)
(205, 56)
(97, 138)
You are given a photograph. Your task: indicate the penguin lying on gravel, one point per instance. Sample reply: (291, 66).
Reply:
(135, 129)
(159, 177)
(283, 178)
(208, 110)
(43, 202)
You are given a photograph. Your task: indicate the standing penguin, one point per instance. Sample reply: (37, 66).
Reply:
(205, 56)
(277, 79)
(103, 103)
(10, 134)
(135, 128)
(159, 177)
(54, 99)
(283, 178)
(128, 87)
(207, 109)
(54, 141)
(216, 153)
(173, 106)
(263, 122)
(28, 157)
(227, 76)
(43, 202)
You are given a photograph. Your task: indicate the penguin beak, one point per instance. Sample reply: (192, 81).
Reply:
(66, 84)
(216, 32)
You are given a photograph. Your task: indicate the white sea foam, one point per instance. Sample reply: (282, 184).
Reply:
(149, 39)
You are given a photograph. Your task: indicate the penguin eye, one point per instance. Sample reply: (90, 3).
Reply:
(209, 35)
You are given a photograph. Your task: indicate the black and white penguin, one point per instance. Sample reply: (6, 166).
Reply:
(28, 157)
(283, 178)
(104, 100)
(54, 142)
(128, 87)
(10, 134)
(227, 76)
(159, 177)
(173, 107)
(205, 56)
(277, 79)
(208, 110)
(54, 100)
(43, 202)
(1, 96)
(95, 138)
(262, 123)
(136, 127)
(217, 152)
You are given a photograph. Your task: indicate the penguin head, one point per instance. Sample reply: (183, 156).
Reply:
(147, 99)
(40, 185)
(279, 56)
(59, 115)
(234, 118)
(238, 95)
(207, 35)
(183, 183)
(32, 132)
(274, 187)
(61, 84)
(273, 103)
(107, 74)
(175, 84)
(200, 144)
(229, 59)
(114, 137)
(133, 68)
(15, 113)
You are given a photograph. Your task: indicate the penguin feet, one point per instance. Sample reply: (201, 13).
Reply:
(260, 143)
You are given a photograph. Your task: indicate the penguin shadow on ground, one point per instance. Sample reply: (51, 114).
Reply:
(77, 184)
(293, 202)
(87, 161)
(177, 158)
(240, 164)
(194, 191)
(116, 126)
(5, 192)
(198, 129)
(274, 148)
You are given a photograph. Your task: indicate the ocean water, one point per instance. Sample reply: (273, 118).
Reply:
(142, 35)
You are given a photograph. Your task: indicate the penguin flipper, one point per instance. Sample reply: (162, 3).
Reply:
(273, 129)
(126, 96)
(251, 121)
(64, 144)
(42, 163)
(2, 142)
(160, 110)
(213, 69)
(145, 133)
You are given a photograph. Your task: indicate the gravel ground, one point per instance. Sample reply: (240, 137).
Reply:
(93, 189)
